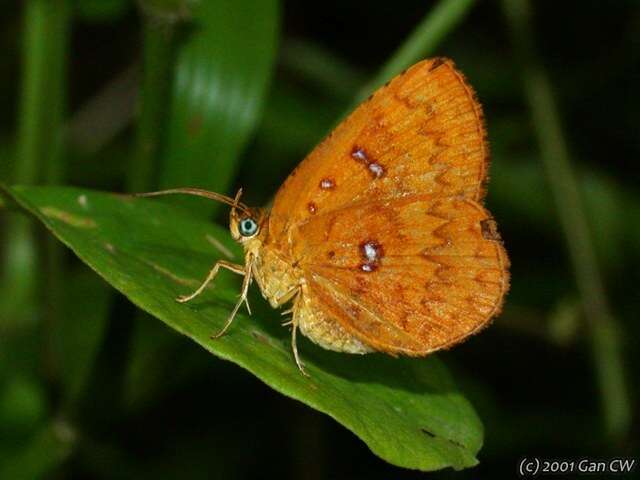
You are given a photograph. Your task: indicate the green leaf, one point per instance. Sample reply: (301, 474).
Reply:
(221, 75)
(408, 411)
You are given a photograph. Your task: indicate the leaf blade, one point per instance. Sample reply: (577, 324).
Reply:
(407, 411)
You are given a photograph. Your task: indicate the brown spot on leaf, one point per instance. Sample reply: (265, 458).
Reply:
(427, 433)
(312, 207)
(260, 337)
(69, 218)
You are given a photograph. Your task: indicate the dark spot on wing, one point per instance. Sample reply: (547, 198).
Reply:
(327, 184)
(376, 170)
(436, 63)
(368, 267)
(372, 252)
(489, 229)
(361, 155)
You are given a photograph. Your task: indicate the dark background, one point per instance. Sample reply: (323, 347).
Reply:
(163, 408)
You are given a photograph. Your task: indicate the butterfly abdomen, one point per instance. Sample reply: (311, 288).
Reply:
(322, 329)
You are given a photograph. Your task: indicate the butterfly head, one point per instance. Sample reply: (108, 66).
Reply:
(245, 226)
(245, 223)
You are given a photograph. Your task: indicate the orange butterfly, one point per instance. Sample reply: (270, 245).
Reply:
(379, 237)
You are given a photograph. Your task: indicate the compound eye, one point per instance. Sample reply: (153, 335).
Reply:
(248, 227)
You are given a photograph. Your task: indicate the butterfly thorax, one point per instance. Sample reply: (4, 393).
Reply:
(278, 280)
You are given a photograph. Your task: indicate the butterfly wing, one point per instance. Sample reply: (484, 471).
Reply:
(408, 275)
(421, 133)
(384, 220)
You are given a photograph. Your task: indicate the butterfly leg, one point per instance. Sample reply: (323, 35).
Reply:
(234, 267)
(294, 331)
(293, 292)
(294, 347)
(243, 299)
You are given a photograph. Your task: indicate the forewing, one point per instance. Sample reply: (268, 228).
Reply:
(409, 275)
(421, 133)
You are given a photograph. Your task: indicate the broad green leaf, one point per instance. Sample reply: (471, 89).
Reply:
(222, 71)
(408, 411)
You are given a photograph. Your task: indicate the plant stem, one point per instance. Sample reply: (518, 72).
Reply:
(32, 101)
(53, 172)
(38, 151)
(433, 28)
(154, 98)
(46, 32)
(605, 331)
(59, 24)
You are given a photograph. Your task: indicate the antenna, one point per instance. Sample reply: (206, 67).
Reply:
(198, 192)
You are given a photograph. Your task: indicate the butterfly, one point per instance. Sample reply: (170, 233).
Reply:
(379, 239)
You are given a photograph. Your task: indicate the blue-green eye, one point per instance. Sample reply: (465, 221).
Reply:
(248, 227)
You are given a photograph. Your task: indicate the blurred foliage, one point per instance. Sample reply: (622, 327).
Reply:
(221, 75)
(234, 94)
